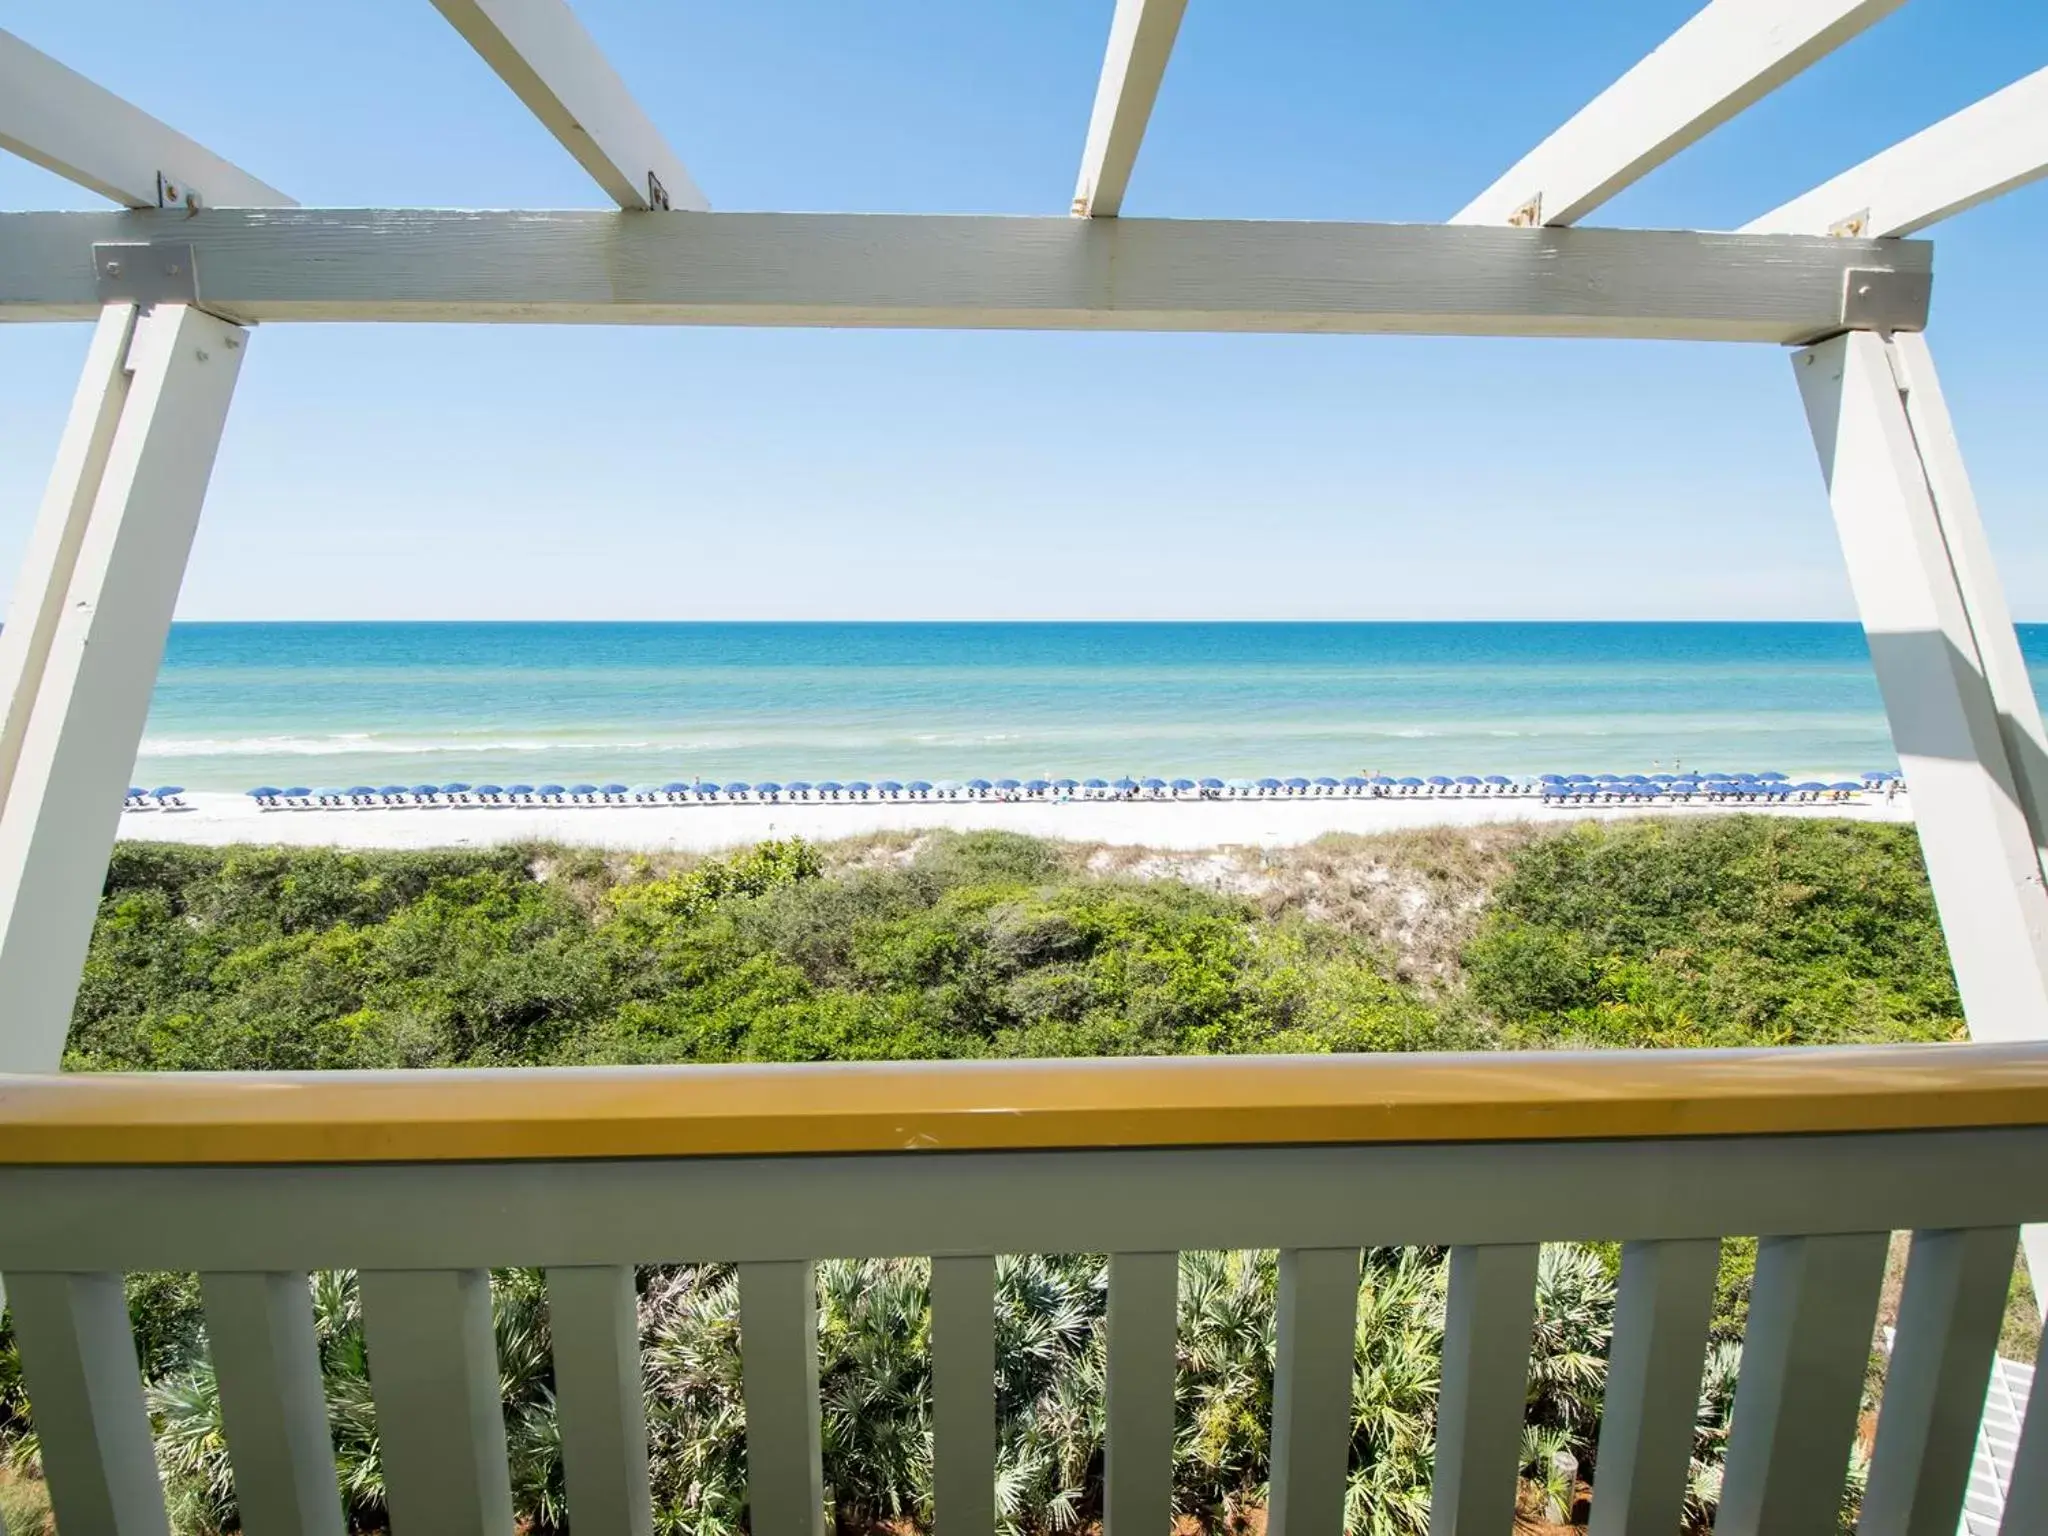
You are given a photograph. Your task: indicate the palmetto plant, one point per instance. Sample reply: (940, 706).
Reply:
(875, 1389)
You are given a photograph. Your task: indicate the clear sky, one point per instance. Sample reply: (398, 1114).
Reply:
(507, 472)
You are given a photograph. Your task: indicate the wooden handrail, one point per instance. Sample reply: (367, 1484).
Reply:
(567, 1113)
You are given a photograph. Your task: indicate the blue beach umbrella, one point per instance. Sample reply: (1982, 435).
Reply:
(1845, 784)
(1811, 787)
(1468, 778)
(426, 791)
(1357, 781)
(768, 787)
(830, 787)
(919, 787)
(1772, 778)
(1328, 783)
(1550, 778)
(890, 787)
(1876, 776)
(1152, 783)
(1036, 786)
(859, 787)
(1182, 786)
(1636, 778)
(551, 789)
(617, 789)
(582, 789)
(1065, 784)
(1126, 784)
(1211, 784)
(393, 789)
(353, 789)
(738, 787)
(1410, 783)
(454, 789)
(1094, 784)
(1440, 781)
(490, 789)
(1296, 783)
(676, 787)
(800, 787)
(297, 792)
(1002, 784)
(518, 789)
(979, 784)
(263, 791)
(1269, 784)
(1498, 779)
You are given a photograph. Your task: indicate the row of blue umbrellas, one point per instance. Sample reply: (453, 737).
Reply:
(1549, 785)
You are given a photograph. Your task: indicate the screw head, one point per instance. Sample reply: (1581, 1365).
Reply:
(113, 269)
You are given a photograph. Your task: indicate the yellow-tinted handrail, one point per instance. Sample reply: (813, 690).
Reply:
(562, 1113)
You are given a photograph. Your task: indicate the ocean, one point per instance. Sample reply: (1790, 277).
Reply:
(314, 704)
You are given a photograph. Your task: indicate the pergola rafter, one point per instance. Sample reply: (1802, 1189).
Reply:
(63, 122)
(1980, 153)
(1728, 57)
(542, 51)
(1141, 36)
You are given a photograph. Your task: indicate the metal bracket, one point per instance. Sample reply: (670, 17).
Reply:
(1852, 227)
(657, 194)
(1878, 299)
(1529, 215)
(175, 194)
(145, 273)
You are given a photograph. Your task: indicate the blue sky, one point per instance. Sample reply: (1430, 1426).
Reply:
(597, 473)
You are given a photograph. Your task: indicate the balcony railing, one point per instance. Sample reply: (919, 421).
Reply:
(425, 1181)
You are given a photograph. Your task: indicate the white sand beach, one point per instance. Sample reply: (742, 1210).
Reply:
(216, 819)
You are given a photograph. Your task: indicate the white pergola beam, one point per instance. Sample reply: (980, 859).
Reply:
(1982, 151)
(118, 591)
(61, 121)
(1729, 56)
(969, 272)
(1141, 38)
(555, 67)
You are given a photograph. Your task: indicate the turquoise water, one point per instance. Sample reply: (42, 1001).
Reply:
(244, 704)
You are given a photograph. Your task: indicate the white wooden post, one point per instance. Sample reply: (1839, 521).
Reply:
(81, 722)
(1962, 712)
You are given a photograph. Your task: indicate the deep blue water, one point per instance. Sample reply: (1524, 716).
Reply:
(240, 704)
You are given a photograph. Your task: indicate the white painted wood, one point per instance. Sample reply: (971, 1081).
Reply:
(876, 1204)
(1979, 153)
(266, 1356)
(1981, 854)
(1312, 1368)
(1925, 561)
(593, 1323)
(1811, 1317)
(1488, 1329)
(57, 118)
(964, 1395)
(85, 1393)
(64, 802)
(554, 66)
(1653, 1385)
(434, 1381)
(1949, 1318)
(970, 271)
(1729, 56)
(52, 554)
(779, 1380)
(2026, 1495)
(1137, 1479)
(1141, 38)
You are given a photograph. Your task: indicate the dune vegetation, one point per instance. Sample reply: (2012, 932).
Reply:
(1726, 931)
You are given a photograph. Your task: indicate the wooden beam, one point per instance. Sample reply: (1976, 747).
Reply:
(542, 51)
(1140, 41)
(1729, 56)
(972, 272)
(1981, 152)
(57, 118)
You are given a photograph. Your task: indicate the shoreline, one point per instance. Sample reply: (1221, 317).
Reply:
(218, 819)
